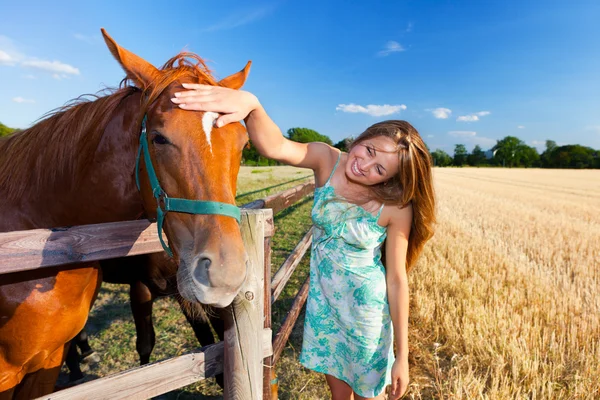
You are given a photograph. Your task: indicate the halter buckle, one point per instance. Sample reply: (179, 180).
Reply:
(162, 199)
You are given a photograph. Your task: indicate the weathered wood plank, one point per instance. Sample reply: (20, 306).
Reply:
(157, 378)
(243, 352)
(30, 249)
(149, 380)
(280, 201)
(289, 265)
(290, 320)
(38, 248)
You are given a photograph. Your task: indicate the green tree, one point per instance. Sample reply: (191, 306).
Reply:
(305, 135)
(546, 157)
(460, 155)
(528, 156)
(250, 156)
(441, 158)
(506, 150)
(5, 130)
(513, 152)
(477, 156)
(573, 156)
(344, 144)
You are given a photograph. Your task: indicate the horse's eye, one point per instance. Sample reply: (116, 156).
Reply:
(159, 139)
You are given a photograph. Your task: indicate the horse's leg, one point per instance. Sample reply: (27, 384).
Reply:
(7, 394)
(88, 355)
(219, 326)
(141, 307)
(201, 327)
(72, 362)
(82, 342)
(42, 381)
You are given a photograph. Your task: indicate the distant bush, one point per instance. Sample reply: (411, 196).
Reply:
(5, 130)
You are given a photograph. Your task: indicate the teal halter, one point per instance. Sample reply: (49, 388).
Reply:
(165, 203)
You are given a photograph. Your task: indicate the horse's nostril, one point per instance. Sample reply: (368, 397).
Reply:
(204, 264)
(202, 271)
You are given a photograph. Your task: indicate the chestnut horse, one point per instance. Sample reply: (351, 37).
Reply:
(78, 166)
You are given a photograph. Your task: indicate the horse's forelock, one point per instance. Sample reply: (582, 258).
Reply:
(183, 65)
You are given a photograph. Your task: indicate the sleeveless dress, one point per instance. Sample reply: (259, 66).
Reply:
(348, 331)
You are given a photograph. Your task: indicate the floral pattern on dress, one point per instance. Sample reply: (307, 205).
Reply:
(348, 330)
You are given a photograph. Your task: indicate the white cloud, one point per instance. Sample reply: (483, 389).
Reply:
(595, 128)
(87, 39)
(471, 137)
(10, 56)
(462, 133)
(371, 109)
(22, 100)
(29, 76)
(6, 59)
(59, 77)
(521, 127)
(430, 136)
(8, 52)
(239, 18)
(473, 117)
(441, 112)
(409, 27)
(391, 47)
(538, 142)
(52, 66)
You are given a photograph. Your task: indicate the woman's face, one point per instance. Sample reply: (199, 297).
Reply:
(372, 161)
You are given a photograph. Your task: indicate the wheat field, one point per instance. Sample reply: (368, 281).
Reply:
(505, 298)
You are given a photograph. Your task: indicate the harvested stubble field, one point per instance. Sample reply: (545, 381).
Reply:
(504, 300)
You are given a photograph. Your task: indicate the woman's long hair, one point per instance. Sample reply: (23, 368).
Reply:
(413, 184)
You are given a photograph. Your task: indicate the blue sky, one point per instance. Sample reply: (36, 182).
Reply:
(466, 72)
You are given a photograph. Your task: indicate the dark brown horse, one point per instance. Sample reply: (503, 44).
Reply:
(77, 167)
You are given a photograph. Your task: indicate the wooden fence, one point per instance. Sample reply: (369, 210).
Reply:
(242, 358)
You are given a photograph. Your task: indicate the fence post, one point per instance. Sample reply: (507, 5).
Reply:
(269, 387)
(244, 319)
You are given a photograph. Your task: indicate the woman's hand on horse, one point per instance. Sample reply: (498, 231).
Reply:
(235, 105)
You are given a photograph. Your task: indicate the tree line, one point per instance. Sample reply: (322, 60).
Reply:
(507, 152)
(513, 152)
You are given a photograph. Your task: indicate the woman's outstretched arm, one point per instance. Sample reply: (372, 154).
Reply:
(236, 105)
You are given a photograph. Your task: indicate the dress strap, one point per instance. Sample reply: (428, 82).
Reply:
(334, 167)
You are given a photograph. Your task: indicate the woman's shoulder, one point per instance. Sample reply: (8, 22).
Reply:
(394, 217)
(328, 157)
(324, 151)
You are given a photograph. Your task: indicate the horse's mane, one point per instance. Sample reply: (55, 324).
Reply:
(54, 152)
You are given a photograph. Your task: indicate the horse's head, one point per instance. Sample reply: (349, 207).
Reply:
(193, 160)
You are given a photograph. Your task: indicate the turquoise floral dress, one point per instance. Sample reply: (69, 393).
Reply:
(348, 330)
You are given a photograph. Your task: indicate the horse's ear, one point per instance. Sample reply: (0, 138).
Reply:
(236, 80)
(138, 69)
